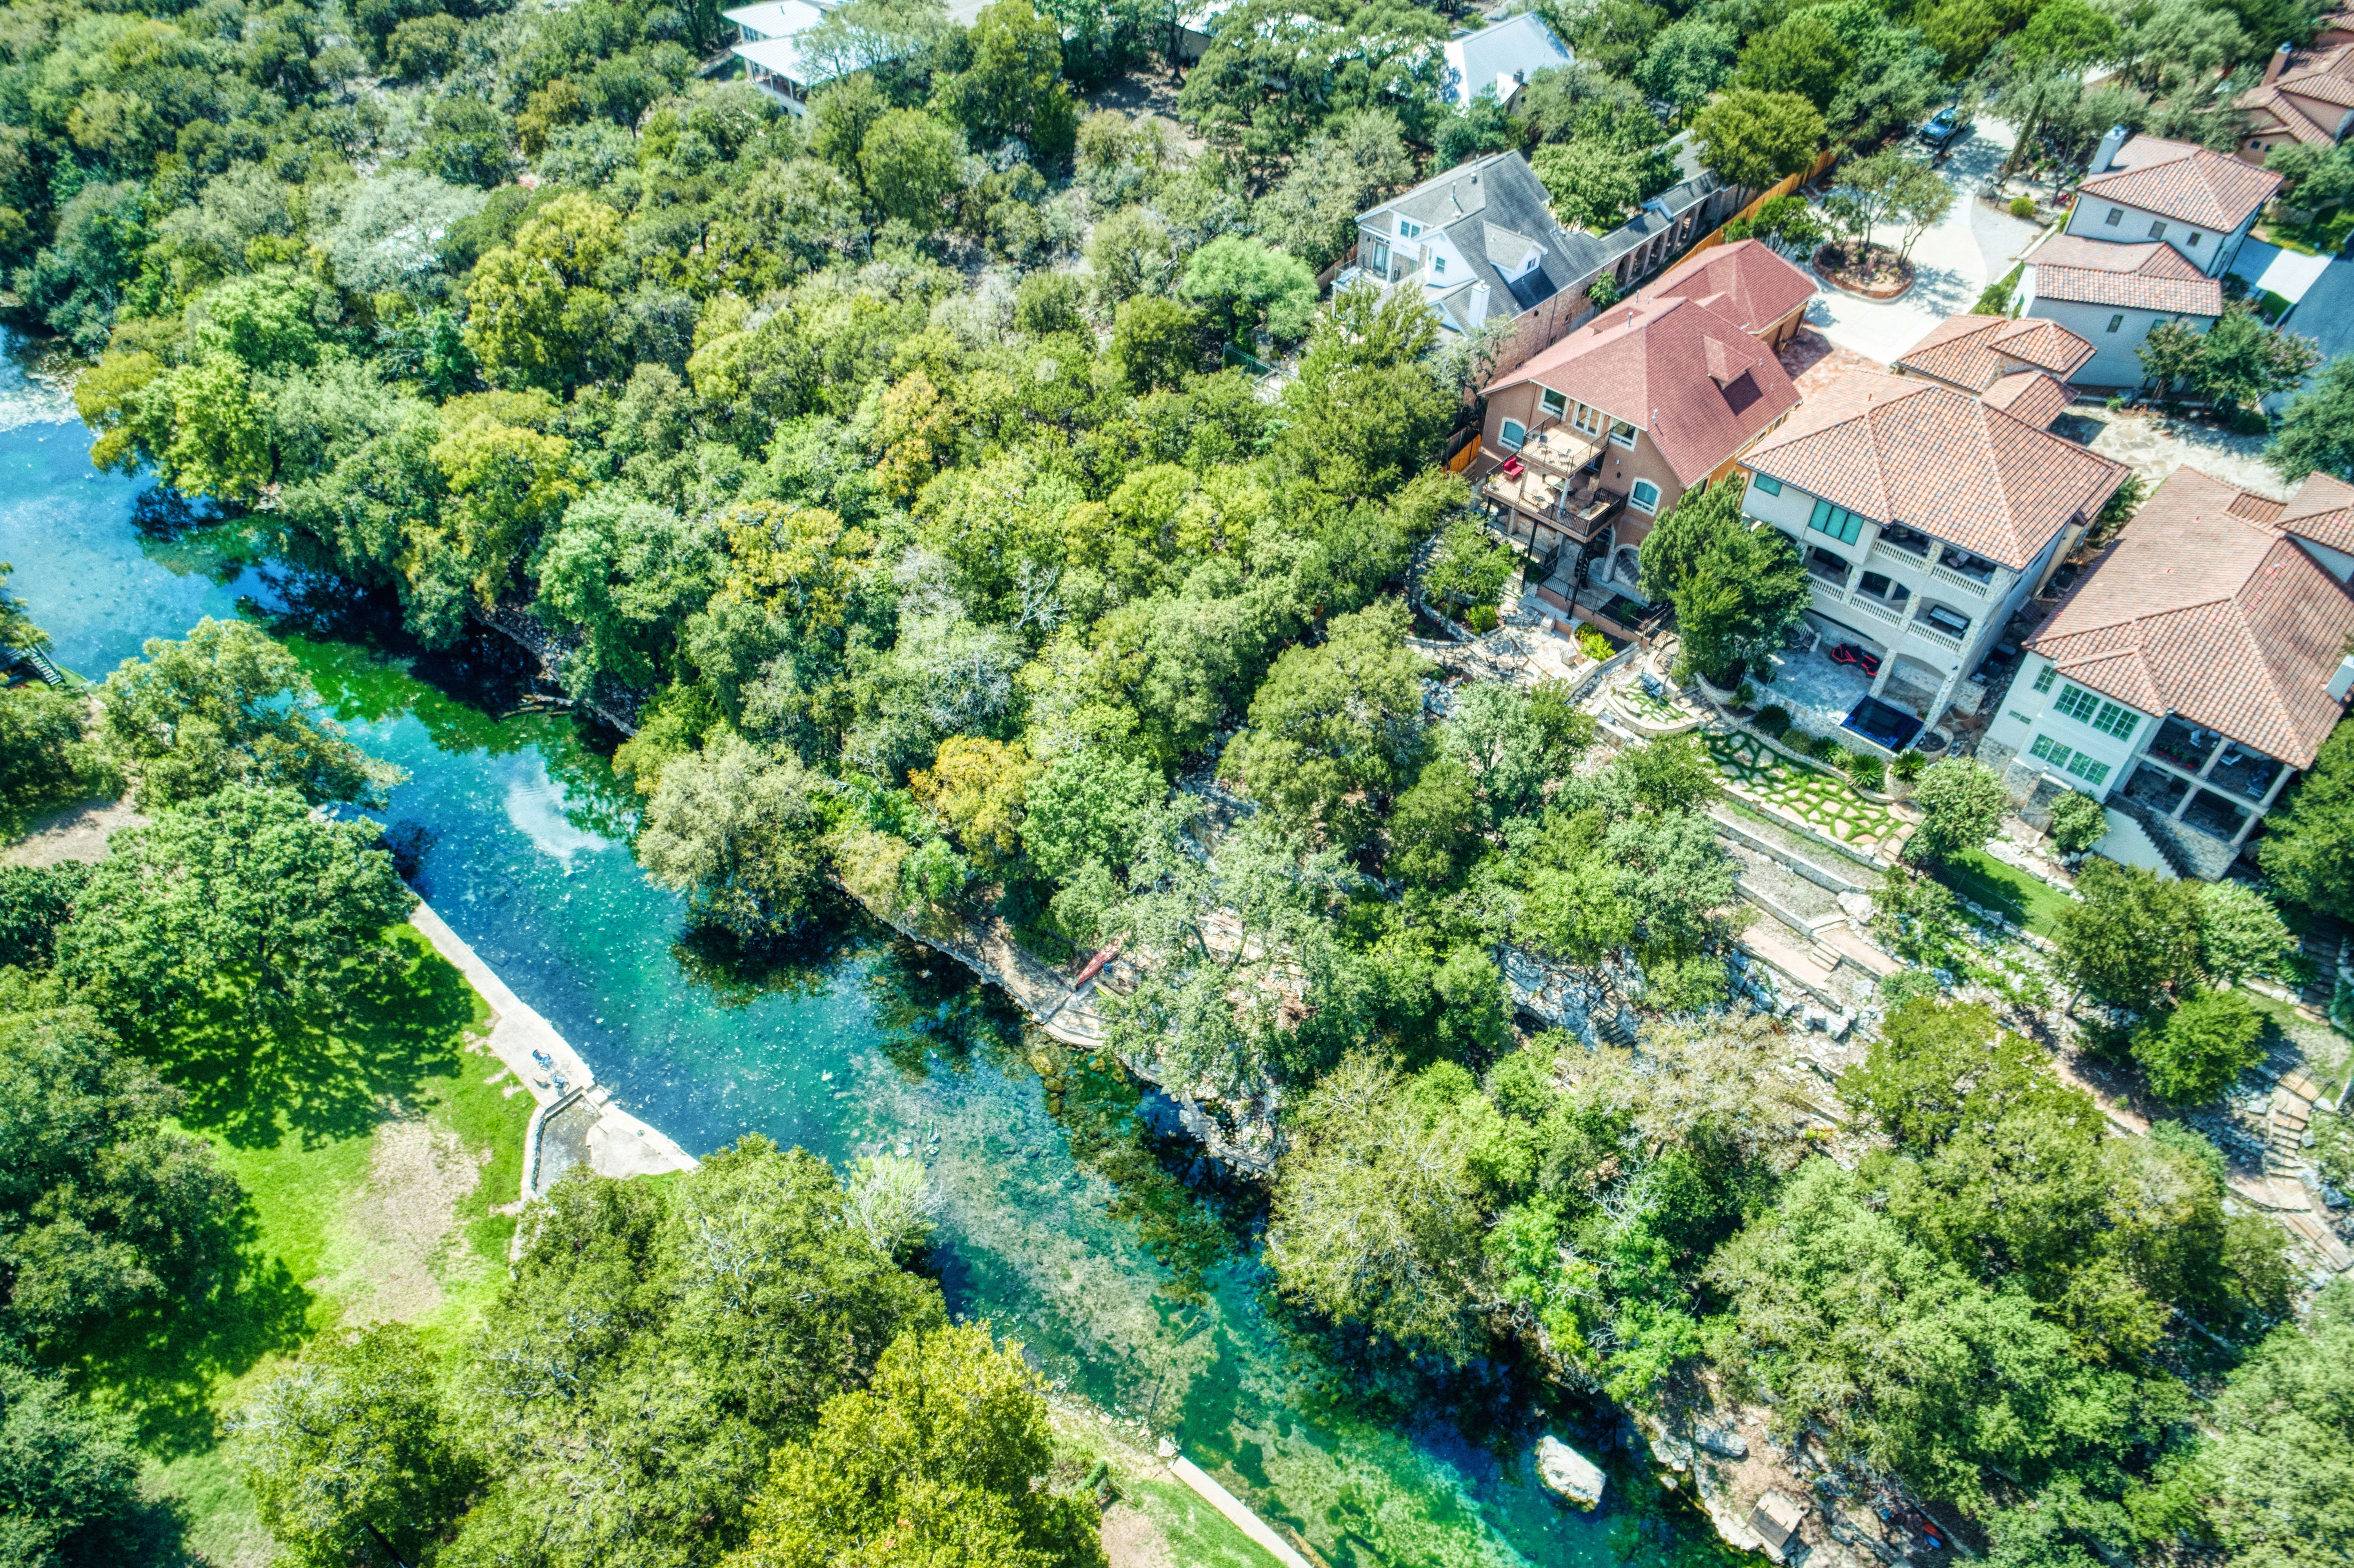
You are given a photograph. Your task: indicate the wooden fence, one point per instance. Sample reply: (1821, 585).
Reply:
(1774, 192)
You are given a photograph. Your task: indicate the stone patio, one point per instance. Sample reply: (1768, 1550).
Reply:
(1815, 693)
(2154, 446)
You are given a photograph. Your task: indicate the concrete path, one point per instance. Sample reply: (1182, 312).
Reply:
(1226, 1503)
(617, 1143)
(2291, 274)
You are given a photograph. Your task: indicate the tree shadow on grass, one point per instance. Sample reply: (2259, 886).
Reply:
(328, 1081)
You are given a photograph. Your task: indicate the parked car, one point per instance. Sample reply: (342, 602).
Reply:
(1945, 126)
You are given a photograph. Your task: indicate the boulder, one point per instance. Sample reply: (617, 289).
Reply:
(1562, 1467)
(1724, 1444)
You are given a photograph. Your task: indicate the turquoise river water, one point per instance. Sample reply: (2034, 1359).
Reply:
(869, 1044)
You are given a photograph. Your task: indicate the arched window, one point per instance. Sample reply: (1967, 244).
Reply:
(1513, 434)
(1645, 496)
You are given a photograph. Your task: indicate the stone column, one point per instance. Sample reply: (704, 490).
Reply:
(2280, 781)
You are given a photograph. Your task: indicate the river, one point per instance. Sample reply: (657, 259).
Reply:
(866, 1043)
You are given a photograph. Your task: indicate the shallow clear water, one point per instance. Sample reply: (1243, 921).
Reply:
(869, 1044)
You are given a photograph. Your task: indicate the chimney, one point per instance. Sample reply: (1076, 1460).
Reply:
(2108, 154)
(2279, 63)
(1478, 303)
(2342, 683)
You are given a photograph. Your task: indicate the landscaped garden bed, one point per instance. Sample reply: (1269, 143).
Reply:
(1825, 802)
(1874, 271)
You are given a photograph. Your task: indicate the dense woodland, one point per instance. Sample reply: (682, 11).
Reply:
(881, 465)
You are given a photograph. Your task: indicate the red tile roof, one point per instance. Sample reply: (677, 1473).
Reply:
(1916, 453)
(2031, 396)
(2322, 510)
(2326, 76)
(1745, 283)
(2148, 276)
(2285, 112)
(1699, 384)
(2202, 612)
(2188, 183)
(1976, 352)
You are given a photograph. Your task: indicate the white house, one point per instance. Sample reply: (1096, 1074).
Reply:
(1927, 516)
(2111, 295)
(1501, 57)
(2200, 202)
(772, 61)
(2189, 676)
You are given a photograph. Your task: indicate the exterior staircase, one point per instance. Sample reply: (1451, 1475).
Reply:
(37, 661)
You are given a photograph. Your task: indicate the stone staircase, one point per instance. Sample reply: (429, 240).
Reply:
(2291, 1113)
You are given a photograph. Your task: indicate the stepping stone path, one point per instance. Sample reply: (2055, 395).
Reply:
(1814, 796)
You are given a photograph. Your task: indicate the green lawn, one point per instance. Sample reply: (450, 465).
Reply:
(1821, 799)
(2021, 899)
(1191, 1534)
(374, 1155)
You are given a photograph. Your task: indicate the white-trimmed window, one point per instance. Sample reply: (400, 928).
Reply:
(1592, 421)
(1513, 434)
(1552, 403)
(1438, 264)
(1622, 434)
(1645, 496)
(1408, 229)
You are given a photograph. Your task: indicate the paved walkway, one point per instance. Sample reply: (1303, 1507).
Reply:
(2154, 446)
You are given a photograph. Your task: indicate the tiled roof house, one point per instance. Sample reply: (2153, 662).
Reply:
(1927, 516)
(2145, 187)
(2305, 97)
(2198, 666)
(2017, 366)
(1591, 439)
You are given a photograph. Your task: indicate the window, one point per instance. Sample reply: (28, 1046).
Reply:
(1407, 230)
(2109, 718)
(2084, 768)
(1554, 403)
(2047, 749)
(2195, 238)
(2116, 216)
(1769, 484)
(1438, 264)
(2158, 231)
(1592, 421)
(1837, 521)
(2044, 681)
(1622, 434)
(1645, 496)
(2117, 321)
(1513, 435)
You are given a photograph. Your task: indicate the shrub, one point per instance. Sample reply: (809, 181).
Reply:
(1869, 772)
(1746, 697)
(2023, 206)
(2191, 1053)
(1774, 717)
(1964, 801)
(1481, 618)
(2078, 822)
(1909, 764)
(1593, 645)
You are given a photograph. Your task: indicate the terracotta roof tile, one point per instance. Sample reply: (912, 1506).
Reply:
(2031, 396)
(2300, 125)
(2327, 76)
(2150, 275)
(2178, 180)
(2322, 510)
(1916, 453)
(2202, 611)
(1699, 384)
(1976, 352)
(1745, 281)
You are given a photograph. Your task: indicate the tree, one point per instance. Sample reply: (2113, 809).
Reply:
(1368, 407)
(1434, 826)
(507, 479)
(241, 892)
(1335, 724)
(2240, 933)
(732, 830)
(2130, 939)
(627, 573)
(1749, 591)
(976, 787)
(1155, 343)
(1687, 61)
(2309, 844)
(1515, 740)
(1961, 802)
(539, 315)
(1131, 253)
(2066, 33)
(909, 161)
(228, 705)
(1468, 568)
(1801, 54)
(1592, 183)
(107, 1213)
(35, 901)
(2078, 822)
(2282, 1464)
(944, 1458)
(2242, 361)
(1786, 223)
(1673, 774)
(1752, 139)
(1093, 804)
(1240, 284)
(2194, 1050)
(2171, 355)
(1013, 86)
(1919, 203)
(349, 1455)
(70, 1476)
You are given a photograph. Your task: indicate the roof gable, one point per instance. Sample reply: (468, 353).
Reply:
(1745, 283)
(2147, 275)
(2191, 184)
(2322, 510)
(1976, 352)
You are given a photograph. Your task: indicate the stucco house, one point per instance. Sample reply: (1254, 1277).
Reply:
(2195, 669)
(1928, 517)
(2111, 295)
(1588, 441)
(1500, 58)
(2020, 367)
(1480, 243)
(2306, 96)
(2202, 203)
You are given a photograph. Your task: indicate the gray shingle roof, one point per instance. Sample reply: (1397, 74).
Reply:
(1523, 44)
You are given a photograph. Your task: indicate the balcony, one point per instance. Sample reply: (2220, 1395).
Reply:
(1830, 568)
(1930, 634)
(1964, 578)
(1888, 615)
(1575, 503)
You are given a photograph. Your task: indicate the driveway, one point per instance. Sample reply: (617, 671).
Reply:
(2324, 314)
(1952, 263)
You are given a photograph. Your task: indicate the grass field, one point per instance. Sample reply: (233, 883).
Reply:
(377, 1157)
(2021, 899)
